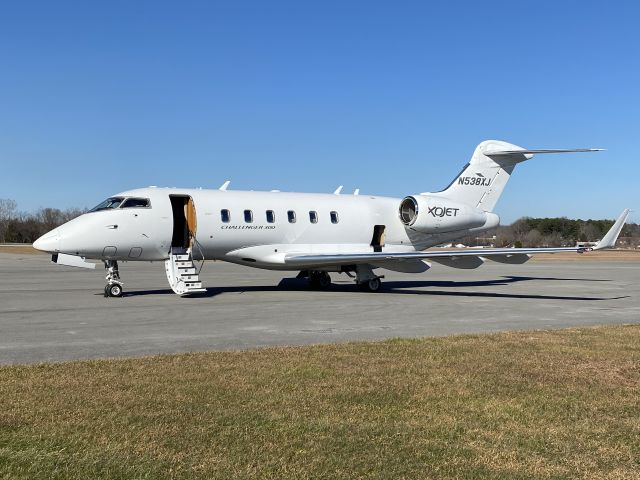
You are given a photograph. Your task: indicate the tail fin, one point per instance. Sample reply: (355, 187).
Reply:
(483, 179)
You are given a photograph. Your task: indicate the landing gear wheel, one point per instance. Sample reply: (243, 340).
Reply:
(114, 285)
(319, 280)
(324, 280)
(373, 285)
(114, 290)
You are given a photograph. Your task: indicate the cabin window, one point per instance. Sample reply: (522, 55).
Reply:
(271, 217)
(109, 203)
(225, 216)
(313, 216)
(334, 217)
(291, 215)
(248, 216)
(136, 203)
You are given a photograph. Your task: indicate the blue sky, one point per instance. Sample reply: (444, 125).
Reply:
(388, 97)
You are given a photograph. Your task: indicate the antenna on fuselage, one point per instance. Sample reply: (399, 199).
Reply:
(338, 190)
(225, 185)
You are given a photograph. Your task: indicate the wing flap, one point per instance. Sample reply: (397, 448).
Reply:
(404, 266)
(462, 262)
(512, 259)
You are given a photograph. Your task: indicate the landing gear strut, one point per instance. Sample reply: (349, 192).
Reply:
(113, 288)
(367, 280)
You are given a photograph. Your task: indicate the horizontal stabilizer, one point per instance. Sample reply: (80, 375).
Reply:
(499, 153)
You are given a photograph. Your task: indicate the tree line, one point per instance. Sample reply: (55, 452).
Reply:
(553, 232)
(21, 227)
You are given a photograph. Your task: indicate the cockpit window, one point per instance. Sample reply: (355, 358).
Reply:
(109, 203)
(121, 202)
(136, 203)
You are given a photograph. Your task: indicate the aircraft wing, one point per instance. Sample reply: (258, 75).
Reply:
(454, 258)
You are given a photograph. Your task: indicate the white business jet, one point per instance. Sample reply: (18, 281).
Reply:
(313, 234)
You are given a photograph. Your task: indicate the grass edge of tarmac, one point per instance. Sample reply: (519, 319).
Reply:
(535, 404)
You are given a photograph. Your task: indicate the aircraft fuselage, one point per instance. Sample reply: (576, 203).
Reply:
(251, 228)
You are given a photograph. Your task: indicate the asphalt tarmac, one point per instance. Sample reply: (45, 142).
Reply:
(54, 313)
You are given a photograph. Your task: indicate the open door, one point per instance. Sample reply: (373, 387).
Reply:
(190, 215)
(377, 241)
(184, 221)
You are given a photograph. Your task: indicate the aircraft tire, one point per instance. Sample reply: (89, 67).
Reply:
(319, 280)
(114, 290)
(373, 285)
(324, 280)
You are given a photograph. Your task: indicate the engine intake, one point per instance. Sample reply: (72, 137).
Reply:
(428, 214)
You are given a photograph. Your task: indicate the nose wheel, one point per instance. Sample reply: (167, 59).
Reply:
(113, 288)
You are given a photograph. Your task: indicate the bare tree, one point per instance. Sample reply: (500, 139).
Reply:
(7, 212)
(533, 238)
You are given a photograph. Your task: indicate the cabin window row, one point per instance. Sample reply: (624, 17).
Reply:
(225, 216)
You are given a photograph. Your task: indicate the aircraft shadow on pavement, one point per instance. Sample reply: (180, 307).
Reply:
(404, 287)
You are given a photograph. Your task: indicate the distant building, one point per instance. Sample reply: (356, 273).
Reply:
(587, 244)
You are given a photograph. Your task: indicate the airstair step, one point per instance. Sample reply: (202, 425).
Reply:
(196, 290)
(182, 272)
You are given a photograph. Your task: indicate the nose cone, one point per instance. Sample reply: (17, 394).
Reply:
(49, 242)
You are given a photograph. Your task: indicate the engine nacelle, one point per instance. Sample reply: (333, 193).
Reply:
(428, 214)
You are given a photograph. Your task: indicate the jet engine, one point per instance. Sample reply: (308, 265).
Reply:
(430, 214)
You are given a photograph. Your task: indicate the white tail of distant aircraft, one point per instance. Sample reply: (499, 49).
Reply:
(313, 234)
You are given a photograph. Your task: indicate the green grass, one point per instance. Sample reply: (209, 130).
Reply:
(556, 404)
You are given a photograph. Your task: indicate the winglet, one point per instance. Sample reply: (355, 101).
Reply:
(356, 191)
(609, 240)
(225, 185)
(338, 190)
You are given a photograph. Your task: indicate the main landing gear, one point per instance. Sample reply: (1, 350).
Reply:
(367, 280)
(373, 285)
(113, 288)
(319, 280)
(364, 278)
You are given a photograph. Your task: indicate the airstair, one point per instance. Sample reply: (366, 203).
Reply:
(182, 272)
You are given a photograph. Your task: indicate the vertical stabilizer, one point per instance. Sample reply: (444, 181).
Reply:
(483, 179)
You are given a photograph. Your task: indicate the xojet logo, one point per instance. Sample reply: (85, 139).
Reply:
(443, 211)
(477, 180)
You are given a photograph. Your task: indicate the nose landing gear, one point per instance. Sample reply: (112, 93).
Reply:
(113, 288)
